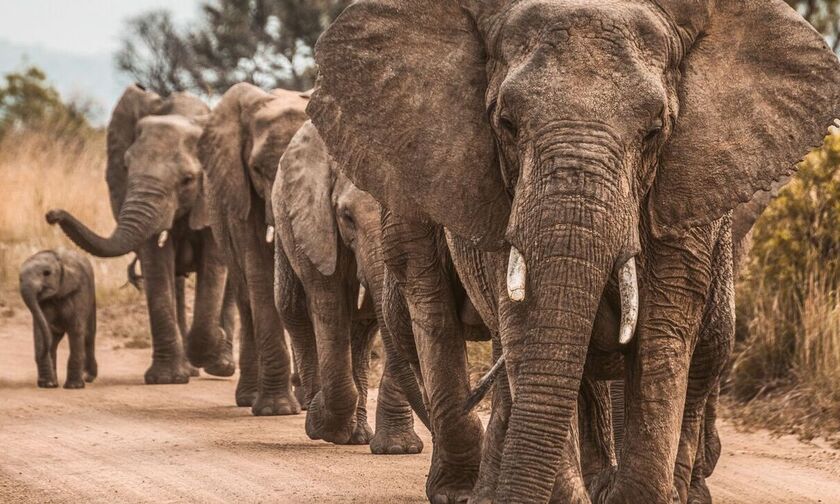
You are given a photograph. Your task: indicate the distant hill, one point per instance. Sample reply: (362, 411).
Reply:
(74, 75)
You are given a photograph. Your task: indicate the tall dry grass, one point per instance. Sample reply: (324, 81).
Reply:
(786, 368)
(40, 171)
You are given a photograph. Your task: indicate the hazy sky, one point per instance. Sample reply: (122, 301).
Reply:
(78, 26)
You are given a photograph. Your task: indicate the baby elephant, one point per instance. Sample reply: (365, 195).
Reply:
(58, 288)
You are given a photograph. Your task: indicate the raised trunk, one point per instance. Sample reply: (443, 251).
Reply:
(141, 215)
(43, 333)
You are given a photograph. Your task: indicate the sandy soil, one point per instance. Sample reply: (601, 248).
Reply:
(121, 441)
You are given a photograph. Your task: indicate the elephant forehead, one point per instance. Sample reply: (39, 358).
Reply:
(609, 26)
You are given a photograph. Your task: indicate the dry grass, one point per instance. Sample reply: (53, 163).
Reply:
(786, 370)
(37, 173)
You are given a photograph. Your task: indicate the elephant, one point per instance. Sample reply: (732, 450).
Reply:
(155, 186)
(240, 149)
(58, 288)
(584, 159)
(328, 257)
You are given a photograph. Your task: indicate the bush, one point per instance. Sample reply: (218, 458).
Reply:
(788, 300)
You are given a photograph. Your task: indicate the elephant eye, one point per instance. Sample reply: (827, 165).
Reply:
(47, 273)
(348, 217)
(654, 130)
(188, 179)
(508, 125)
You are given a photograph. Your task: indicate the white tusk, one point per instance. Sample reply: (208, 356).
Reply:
(269, 234)
(361, 299)
(164, 235)
(628, 287)
(517, 275)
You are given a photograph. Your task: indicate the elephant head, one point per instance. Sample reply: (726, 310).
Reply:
(153, 172)
(568, 130)
(327, 215)
(241, 147)
(45, 276)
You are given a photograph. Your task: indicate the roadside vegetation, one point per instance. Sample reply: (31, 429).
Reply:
(786, 368)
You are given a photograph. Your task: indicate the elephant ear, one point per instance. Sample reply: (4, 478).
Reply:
(222, 151)
(135, 104)
(759, 88)
(400, 103)
(305, 181)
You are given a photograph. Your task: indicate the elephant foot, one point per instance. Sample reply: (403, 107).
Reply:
(223, 367)
(275, 405)
(698, 492)
(74, 384)
(191, 370)
(450, 484)
(246, 393)
(362, 434)
(322, 424)
(47, 383)
(212, 351)
(396, 442)
(166, 373)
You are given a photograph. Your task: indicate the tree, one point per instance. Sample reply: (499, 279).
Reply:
(156, 54)
(27, 101)
(265, 42)
(824, 15)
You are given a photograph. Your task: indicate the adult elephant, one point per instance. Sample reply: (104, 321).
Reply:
(240, 149)
(155, 185)
(562, 144)
(328, 251)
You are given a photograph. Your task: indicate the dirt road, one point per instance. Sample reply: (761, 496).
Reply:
(121, 441)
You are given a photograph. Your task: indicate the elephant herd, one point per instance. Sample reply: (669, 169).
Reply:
(570, 180)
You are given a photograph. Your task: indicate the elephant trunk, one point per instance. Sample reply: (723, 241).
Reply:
(560, 278)
(145, 211)
(43, 333)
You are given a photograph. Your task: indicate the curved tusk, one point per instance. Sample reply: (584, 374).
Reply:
(164, 235)
(517, 275)
(628, 287)
(361, 299)
(269, 234)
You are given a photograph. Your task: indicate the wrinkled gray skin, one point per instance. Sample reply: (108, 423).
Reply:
(241, 146)
(59, 290)
(582, 134)
(328, 247)
(155, 184)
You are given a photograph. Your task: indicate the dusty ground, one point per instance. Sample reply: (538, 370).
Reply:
(121, 441)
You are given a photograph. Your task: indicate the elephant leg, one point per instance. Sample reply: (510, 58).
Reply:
(332, 412)
(246, 388)
(274, 394)
(181, 307)
(47, 377)
(717, 334)
(708, 453)
(657, 369)
(76, 359)
(394, 418)
(361, 342)
(494, 438)
(397, 320)
(91, 367)
(412, 253)
(158, 264)
(208, 343)
(291, 304)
